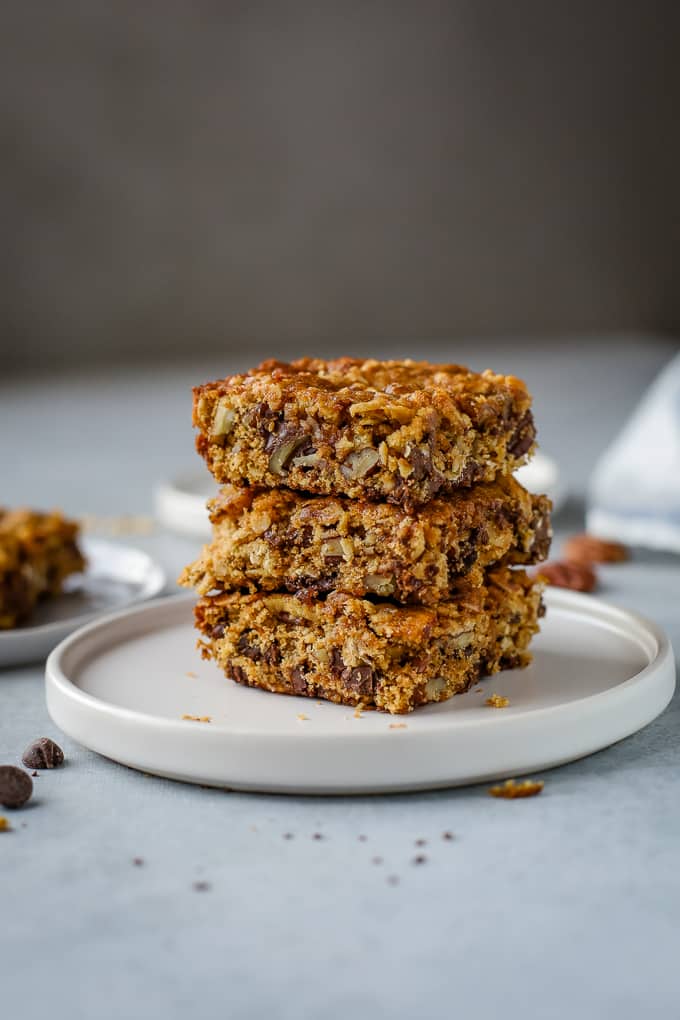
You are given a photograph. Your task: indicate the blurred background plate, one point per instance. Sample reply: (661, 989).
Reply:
(541, 474)
(116, 576)
(180, 502)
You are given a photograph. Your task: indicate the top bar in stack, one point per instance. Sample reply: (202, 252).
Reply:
(401, 431)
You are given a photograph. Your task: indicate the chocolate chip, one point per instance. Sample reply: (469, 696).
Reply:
(448, 836)
(16, 786)
(359, 678)
(306, 535)
(43, 754)
(337, 661)
(217, 631)
(298, 680)
(419, 859)
(237, 673)
(272, 655)
(201, 886)
(421, 462)
(421, 842)
(138, 862)
(523, 437)
(317, 836)
(250, 651)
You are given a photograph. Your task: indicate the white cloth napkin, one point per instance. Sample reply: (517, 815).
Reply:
(634, 494)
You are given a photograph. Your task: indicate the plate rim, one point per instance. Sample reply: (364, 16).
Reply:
(154, 585)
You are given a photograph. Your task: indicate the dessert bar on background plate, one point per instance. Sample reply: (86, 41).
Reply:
(115, 576)
(38, 551)
(396, 430)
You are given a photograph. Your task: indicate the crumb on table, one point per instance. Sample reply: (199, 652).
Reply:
(511, 789)
(197, 718)
(4, 824)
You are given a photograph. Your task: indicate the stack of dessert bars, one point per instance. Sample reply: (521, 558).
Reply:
(368, 538)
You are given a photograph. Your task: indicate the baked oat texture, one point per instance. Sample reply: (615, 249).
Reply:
(396, 430)
(361, 653)
(38, 551)
(275, 539)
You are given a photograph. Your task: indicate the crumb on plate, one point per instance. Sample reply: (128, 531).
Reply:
(497, 701)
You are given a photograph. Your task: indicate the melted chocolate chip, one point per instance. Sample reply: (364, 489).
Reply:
(298, 680)
(337, 661)
(359, 678)
(237, 673)
(250, 651)
(272, 655)
(421, 462)
(523, 436)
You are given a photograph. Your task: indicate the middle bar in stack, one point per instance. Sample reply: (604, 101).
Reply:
(396, 588)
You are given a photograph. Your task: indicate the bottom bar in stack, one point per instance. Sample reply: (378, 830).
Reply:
(372, 654)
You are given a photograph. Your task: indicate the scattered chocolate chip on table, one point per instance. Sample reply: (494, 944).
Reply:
(16, 786)
(43, 754)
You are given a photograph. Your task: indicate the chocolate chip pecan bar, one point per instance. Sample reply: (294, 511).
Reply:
(275, 539)
(38, 551)
(357, 652)
(396, 430)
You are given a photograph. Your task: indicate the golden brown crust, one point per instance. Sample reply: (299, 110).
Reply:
(396, 430)
(271, 540)
(38, 551)
(356, 652)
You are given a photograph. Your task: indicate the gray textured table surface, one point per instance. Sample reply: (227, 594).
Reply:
(566, 905)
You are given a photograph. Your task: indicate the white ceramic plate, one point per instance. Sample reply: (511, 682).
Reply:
(120, 686)
(180, 503)
(115, 576)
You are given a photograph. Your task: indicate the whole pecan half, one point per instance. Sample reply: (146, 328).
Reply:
(567, 574)
(589, 549)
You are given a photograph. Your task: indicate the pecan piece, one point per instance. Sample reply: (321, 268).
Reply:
(360, 463)
(589, 549)
(280, 458)
(565, 574)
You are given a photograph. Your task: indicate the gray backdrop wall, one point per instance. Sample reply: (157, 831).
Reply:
(198, 175)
